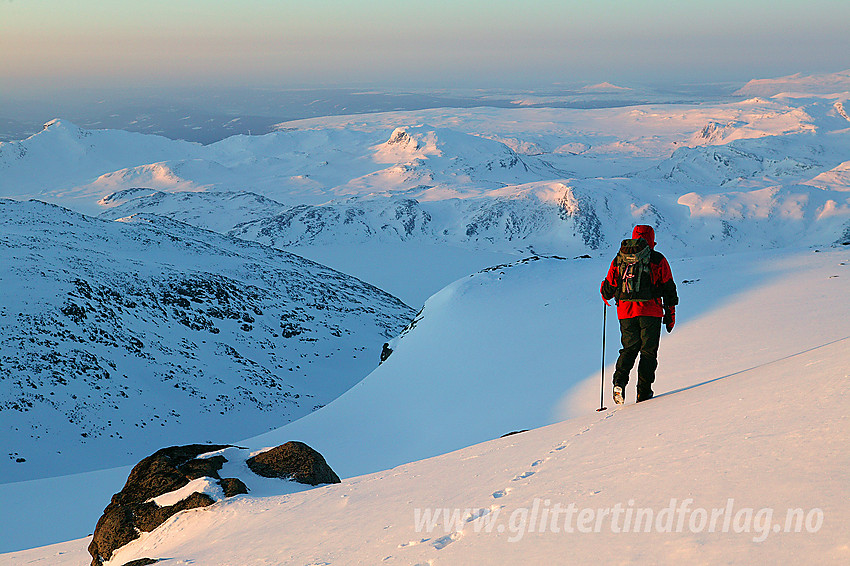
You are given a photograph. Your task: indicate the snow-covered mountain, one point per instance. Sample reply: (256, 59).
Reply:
(438, 159)
(826, 83)
(294, 166)
(566, 182)
(550, 214)
(782, 168)
(218, 211)
(62, 157)
(119, 337)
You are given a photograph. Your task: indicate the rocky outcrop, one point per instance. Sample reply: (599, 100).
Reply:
(157, 488)
(233, 486)
(386, 352)
(132, 508)
(295, 461)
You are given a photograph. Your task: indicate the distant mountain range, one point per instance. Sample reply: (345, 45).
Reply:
(758, 173)
(825, 83)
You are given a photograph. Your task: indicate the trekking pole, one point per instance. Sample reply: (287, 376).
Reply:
(602, 406)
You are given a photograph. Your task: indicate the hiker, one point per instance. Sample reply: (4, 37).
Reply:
(642, 285)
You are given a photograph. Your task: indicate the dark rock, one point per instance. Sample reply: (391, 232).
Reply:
(74, 312)
(164, 471)
(385, 352)
(149, 516)
(233, 486)
(114, 529)
(160, 472)
(513, 433)
(141, 562)
(293, 460)
(207, 467)
(131, 510)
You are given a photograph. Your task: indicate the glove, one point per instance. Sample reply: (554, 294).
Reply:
(606, 293)
(669, 318)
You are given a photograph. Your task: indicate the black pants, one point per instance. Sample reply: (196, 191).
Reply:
(639, 335)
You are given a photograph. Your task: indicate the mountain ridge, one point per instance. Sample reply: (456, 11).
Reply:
(136, 332)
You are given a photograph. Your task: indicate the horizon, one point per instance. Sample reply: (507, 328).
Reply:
(63, 47)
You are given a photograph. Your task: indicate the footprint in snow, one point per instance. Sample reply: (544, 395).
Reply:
(443, 542)
(523, 475)
(501, 493)
(413, 542)
(475, 515)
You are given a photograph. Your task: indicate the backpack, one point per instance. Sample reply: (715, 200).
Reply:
(634, 281)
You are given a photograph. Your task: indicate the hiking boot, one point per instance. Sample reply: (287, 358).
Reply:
(644, 396)
(619, 395)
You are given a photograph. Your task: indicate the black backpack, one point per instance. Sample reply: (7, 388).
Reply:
(634, 281)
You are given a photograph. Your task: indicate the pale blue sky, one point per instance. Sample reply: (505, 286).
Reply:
(398, 42)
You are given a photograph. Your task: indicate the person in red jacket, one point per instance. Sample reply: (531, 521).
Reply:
(640, 320)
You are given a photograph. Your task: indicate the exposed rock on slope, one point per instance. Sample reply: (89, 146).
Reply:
(185, 477)
(293, 460)
(116, 337)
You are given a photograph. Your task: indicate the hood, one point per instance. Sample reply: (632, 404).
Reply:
(646, 232)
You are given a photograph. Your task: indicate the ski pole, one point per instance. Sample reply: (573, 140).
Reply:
(602, 406)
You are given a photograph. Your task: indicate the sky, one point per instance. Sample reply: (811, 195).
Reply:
(442, 43)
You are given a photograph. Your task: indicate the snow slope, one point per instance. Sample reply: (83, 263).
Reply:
(119, 337)
(743, 428)
(515, 342)
(518, 347)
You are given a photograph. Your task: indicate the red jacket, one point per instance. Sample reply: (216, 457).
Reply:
(662, 278)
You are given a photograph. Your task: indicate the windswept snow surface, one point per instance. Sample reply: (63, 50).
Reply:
(507, 349)
(744, 428)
